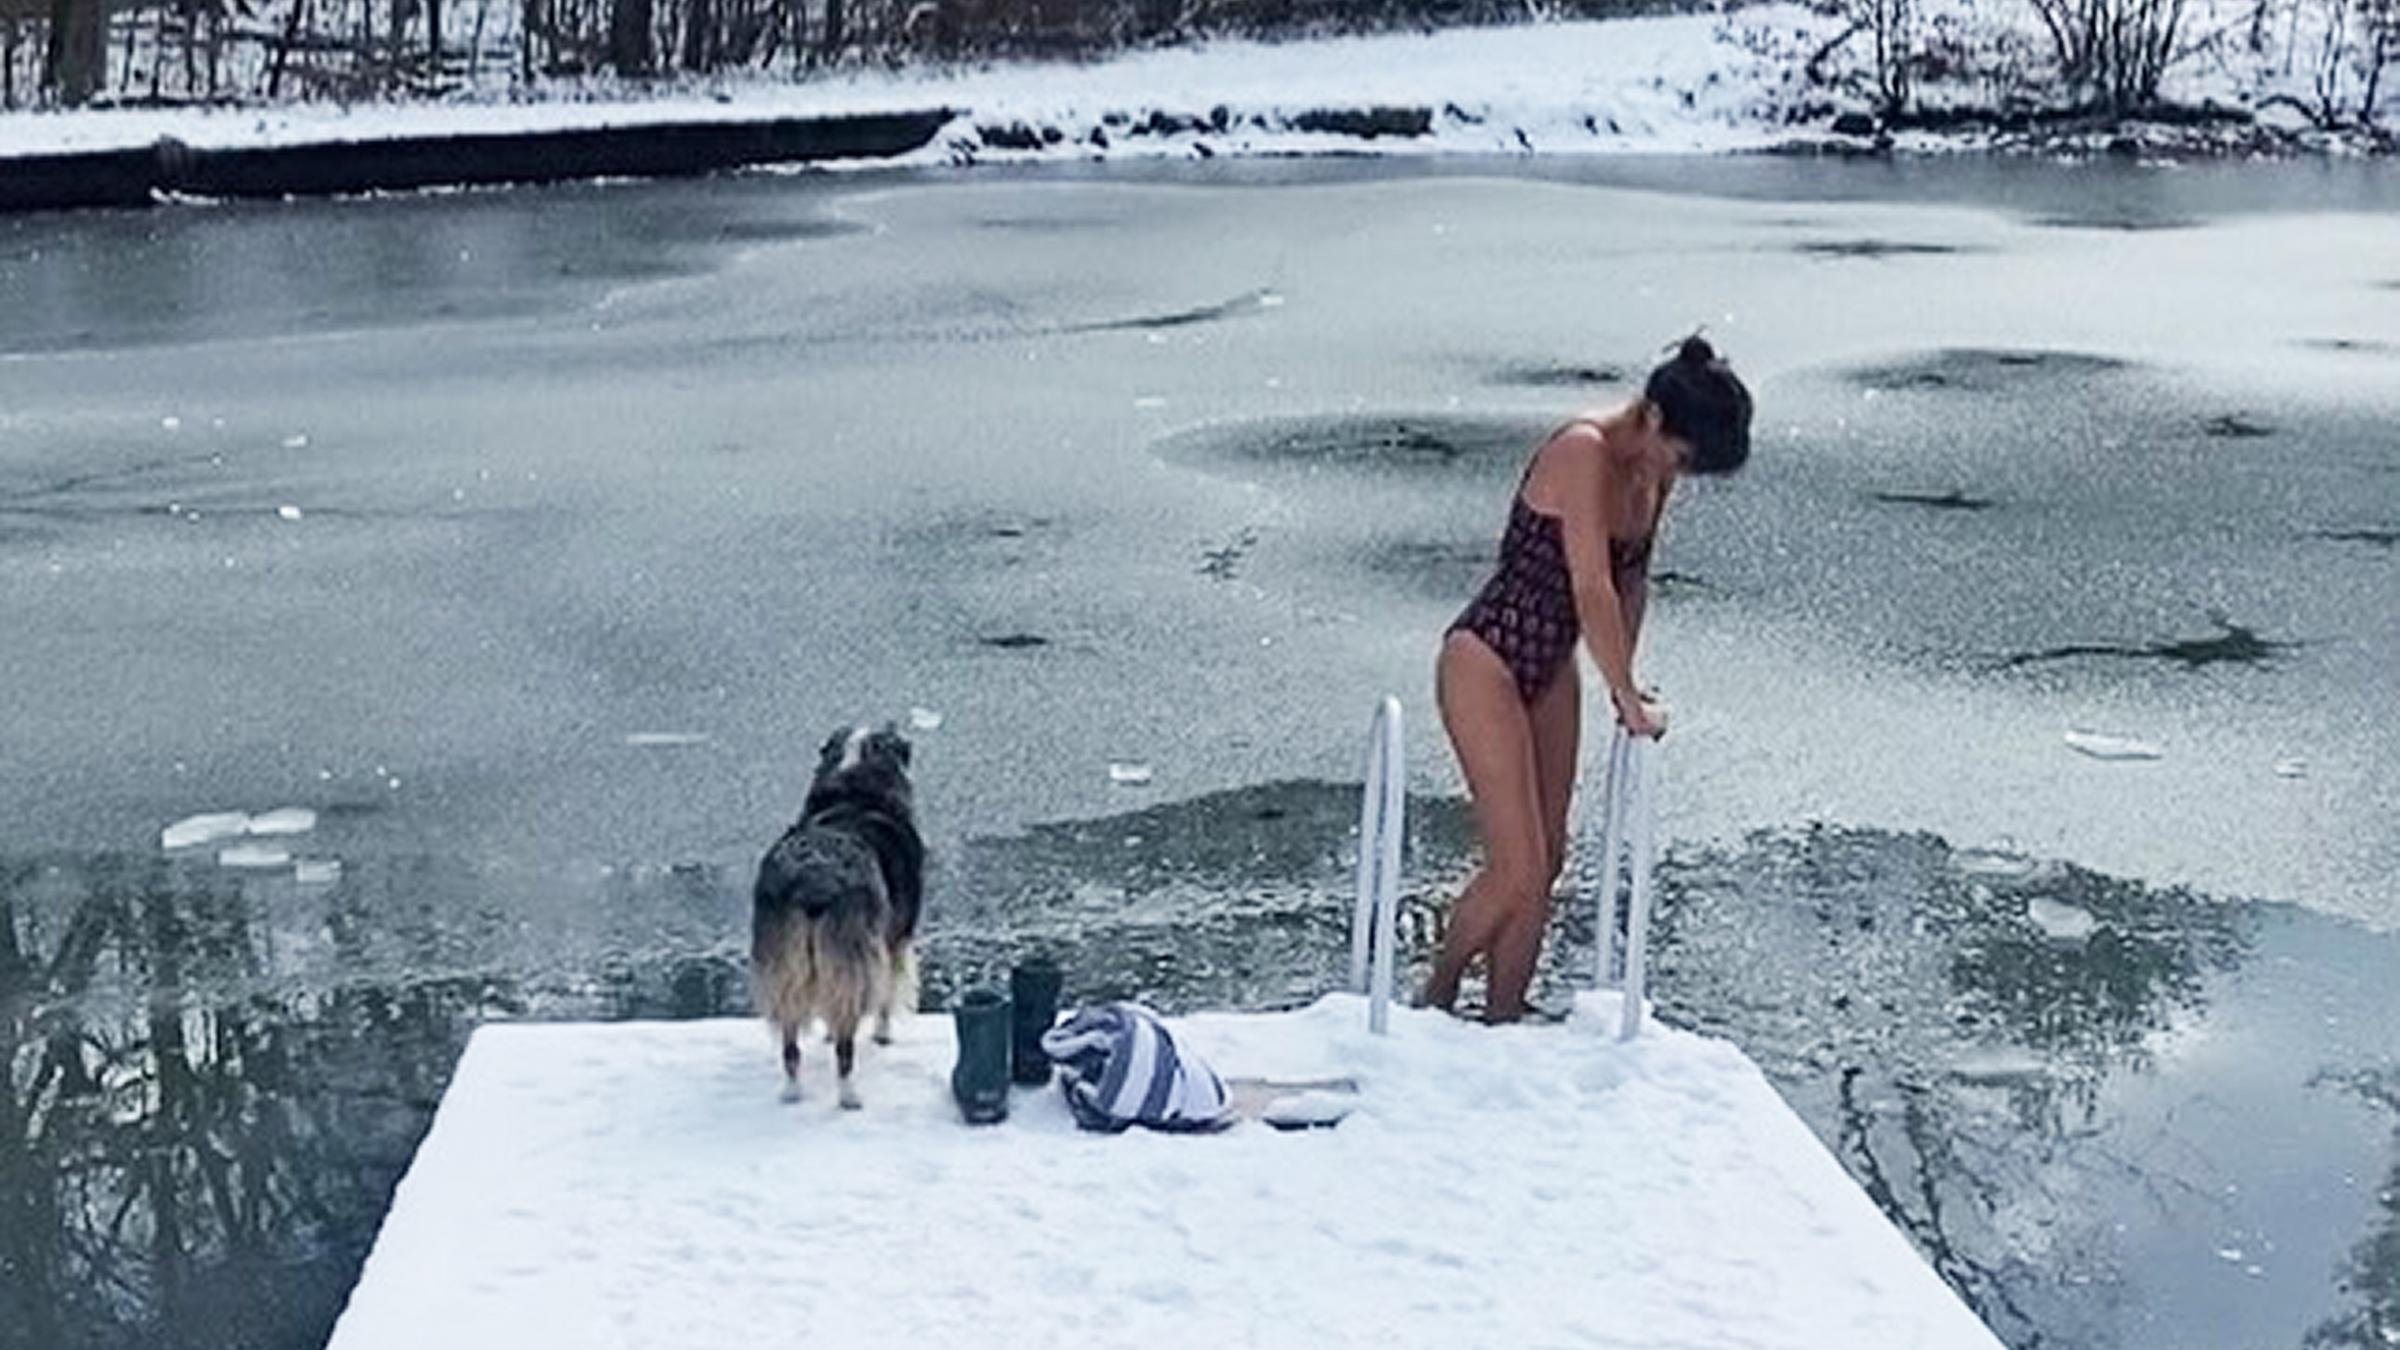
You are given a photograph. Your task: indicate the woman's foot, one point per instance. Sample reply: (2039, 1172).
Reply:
(1438, 993)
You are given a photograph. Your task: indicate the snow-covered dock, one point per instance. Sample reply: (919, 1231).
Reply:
(640, 1184)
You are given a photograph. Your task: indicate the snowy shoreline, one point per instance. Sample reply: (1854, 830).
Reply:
(1700, 83)
(1677, 83)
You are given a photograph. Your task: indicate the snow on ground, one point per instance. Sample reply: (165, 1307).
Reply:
(641, 1185)
(1672, 83)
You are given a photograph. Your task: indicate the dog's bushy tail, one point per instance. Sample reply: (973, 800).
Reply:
(832, 968)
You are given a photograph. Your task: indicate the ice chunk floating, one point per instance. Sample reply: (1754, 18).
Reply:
(2061, 922)
(2099, 745)
(284, 820)
(253, 856)
(205, 828)
(317, 871)
(639, 1184)
(212, 826)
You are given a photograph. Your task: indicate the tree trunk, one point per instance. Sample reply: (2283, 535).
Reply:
(700, 35)
(124, 50)
(1154, 18)
(76, 62)
(433, 37)
(834, 35)
(630, 50)
(475, 41)
(771, 41)
(283, 49)
(2331, 55)
(394, 47)
(2165, 48)
(2375, 65)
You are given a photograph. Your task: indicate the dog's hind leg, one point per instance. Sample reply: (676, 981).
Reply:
(845, 1054)
(849, 963)
(791, 1061)
(900, 988)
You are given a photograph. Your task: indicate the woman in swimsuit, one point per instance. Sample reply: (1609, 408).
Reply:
(1574, 564)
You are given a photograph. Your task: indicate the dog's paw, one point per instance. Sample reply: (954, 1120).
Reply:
(850, 1101)
(883, 1034)
(790, 1093)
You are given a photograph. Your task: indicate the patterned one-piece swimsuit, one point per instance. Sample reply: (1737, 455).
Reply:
(1526, 612)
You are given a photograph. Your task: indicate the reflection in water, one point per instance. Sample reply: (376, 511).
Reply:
(213, 1080)
(213, 1083)
(1233, 899)
(1946, 1023)
(2372, 1277)
(180, 1166)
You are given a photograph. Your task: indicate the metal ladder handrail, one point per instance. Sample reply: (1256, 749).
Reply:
(1382, 825)
(1629, 824)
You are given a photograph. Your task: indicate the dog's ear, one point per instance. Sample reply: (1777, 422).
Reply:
(830, 753)
(901, 749)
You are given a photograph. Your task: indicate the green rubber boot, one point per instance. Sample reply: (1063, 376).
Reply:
(1033, 990)
(980, 1082)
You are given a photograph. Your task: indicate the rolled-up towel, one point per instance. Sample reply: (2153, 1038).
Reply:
(1120, 1065)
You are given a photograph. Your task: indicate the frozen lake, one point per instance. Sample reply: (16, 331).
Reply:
(534, 539)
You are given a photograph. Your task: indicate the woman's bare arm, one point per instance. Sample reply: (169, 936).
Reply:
(1634, 596)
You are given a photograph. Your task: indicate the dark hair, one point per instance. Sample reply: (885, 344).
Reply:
(1700, 400)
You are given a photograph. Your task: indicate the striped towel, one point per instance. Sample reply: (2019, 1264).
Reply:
(1120, 1065)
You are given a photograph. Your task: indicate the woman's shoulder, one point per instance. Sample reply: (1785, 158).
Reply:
(1582, 438)
(1567, 457)
(1589, 422)
(1577, 435)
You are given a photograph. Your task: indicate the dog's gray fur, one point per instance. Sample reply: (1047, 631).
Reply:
(836, 903)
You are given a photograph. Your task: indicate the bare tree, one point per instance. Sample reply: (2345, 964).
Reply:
(8, 56)
(631, 50)
(1893, 24)
(2352, 39)
(2113, 51)
(2378, 49)
(76, 61)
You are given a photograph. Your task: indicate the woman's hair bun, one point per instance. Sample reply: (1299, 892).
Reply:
(1694, 350)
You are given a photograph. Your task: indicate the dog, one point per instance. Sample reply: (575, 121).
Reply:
(835, 907)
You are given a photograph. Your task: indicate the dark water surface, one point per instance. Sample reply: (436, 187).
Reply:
(2109, 1115)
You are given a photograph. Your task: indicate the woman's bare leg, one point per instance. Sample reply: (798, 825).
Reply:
(1493, 738)
(1556, 720)
(1557, 716)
